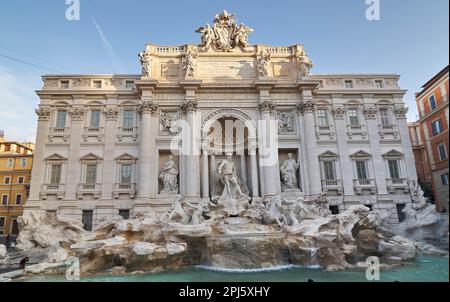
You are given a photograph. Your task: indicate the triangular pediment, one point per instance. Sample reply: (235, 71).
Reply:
(56, 157)
(361, 153)
(393, 153)
(90, 156)
(328, 154)
(126, 156)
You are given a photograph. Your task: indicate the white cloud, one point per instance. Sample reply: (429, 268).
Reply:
(17, 104)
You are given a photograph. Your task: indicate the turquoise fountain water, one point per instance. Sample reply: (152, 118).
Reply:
(425, 269)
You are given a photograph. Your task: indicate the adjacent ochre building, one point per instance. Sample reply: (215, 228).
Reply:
(429, 136)
(16, 160)
(108, 144)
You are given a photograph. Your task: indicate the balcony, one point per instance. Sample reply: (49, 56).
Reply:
(59, 133)
(89, 189)
(124, 189)
(356, 132)
(388, 132)
(127, 132)
(325, 132)
(93, 132)
(332, 185)
(57, 190)
(364, 185)
(397, 184)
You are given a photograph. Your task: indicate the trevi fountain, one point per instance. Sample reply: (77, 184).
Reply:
(250, 216)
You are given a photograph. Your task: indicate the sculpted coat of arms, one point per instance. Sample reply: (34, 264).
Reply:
(225, 35)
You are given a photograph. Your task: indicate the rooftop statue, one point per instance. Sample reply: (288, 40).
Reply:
(225, 35)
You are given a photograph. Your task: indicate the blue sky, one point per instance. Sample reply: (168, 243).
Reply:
(411, 39)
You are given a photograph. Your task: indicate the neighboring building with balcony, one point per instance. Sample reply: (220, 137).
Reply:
(103, 140)
(16, 160)
(430, 135)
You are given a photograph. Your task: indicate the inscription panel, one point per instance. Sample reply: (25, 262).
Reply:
(226, 69)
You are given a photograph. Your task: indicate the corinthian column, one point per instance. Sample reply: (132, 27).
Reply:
(148, 165)
(254, 170)
(268, 149)
(306, 107)
(38, 171)
(190, 149)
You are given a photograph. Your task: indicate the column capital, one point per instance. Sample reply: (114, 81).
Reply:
(370, 112)
(111, 113)
(305, 107)
(77, 113)
(189, 106)
(339, 112)
(400, 112)
(148, 107)
(267, 107)
(43, 113)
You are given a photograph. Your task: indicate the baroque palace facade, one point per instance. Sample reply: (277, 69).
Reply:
(126, 144)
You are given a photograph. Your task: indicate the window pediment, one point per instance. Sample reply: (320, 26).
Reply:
(56, 157)
(91, 157)
(361, 154)
(126, 157)
(328, 155)
(393, 154)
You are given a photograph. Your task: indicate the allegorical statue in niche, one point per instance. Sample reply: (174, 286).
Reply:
(169, 176)
(288, 172)
(146, 61)
(227, 172)
(262, 63)
(189, 64)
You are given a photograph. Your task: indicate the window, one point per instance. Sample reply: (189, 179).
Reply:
(361, 169)
(98, 84)
(4, 200)
(91, 173)
(353, 116)
(442, 151)
(7, 180)
(379, 84)
(384, 115)
(128, 119)
(348, 84)
(21, 180)
(125, 173)
(95, 119)
(64, 84)
(7, 148)
(432, 100)
(55, 177)
(86, 219)
(18, 199)
(125, 214)
(328, 170)
(436, 127)
(444, 179)
(394, 170)
(334, 210)
(322, 117)
(2, 222)
(23, 162)
(10, 163)
(61, 119)
(129, 84)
